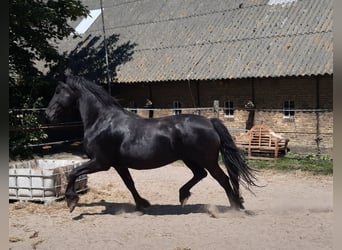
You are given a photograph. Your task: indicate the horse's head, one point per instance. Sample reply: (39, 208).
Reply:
(64, 97)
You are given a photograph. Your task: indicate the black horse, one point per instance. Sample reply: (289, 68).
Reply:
(115, 137)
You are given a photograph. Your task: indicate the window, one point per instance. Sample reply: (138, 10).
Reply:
(229, 109)
(288, 110)
(177, 107)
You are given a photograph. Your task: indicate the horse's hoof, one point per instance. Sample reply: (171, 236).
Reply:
(184, 201)
(237, 207)
(143, 204)
(72, 202)
(237, 204)
(184, 197)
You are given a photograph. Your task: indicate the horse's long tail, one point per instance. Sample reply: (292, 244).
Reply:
(237, 168)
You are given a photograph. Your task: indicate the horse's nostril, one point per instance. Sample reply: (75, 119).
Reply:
(47, 114)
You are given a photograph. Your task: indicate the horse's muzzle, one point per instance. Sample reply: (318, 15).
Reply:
(50, 114)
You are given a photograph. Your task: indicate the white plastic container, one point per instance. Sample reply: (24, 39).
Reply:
(42, 180)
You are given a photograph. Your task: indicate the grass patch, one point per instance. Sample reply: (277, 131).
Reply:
(310, 163)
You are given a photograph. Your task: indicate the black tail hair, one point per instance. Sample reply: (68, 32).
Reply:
(237, 167)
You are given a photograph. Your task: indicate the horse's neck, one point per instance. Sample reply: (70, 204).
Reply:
(91, 110)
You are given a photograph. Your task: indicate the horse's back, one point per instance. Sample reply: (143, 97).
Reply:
(194, 137)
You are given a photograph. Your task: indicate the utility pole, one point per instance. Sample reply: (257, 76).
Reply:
(106, 50)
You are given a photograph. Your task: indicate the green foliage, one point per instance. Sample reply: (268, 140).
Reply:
(35, 27)
(25, 128)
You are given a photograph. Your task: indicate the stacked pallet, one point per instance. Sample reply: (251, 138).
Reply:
(261, 142)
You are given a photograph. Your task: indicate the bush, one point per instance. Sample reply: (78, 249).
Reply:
(25, 129)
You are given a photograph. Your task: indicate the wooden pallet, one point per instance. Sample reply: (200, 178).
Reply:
(261, 142)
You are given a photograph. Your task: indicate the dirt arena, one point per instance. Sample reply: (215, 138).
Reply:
(293, 211)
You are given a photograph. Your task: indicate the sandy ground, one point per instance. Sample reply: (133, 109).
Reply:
(293, 211)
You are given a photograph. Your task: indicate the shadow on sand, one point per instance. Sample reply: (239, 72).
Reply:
(157, 210)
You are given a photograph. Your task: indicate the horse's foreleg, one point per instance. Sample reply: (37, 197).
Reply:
(127, 179)
(86, 168)
(199, 174)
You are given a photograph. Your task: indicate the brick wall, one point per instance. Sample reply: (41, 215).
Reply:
(268, 95)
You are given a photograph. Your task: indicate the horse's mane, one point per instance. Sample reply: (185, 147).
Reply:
(80, 83)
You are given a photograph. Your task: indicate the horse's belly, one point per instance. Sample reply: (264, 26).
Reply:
(148, 161)
(149, 165)
(148, 157)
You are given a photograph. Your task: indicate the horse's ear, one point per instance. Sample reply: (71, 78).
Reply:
(66, 75)
(68, 72)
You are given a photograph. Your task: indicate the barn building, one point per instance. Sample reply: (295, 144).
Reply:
(247, 62)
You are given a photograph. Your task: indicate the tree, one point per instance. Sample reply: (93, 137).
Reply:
(34, 26)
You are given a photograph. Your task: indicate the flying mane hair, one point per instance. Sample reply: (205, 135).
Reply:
(79, 82)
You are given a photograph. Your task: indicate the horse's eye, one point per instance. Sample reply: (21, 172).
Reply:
(59, 89)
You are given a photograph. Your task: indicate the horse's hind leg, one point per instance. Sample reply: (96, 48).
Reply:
(223, 180)
(199, 174)
(127, 178)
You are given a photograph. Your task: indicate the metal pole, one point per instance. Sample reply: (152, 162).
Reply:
(106, 51)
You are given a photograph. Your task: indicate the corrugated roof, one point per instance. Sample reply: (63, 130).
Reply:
(217, 39)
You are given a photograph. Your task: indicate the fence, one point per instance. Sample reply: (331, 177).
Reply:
(312, 124)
